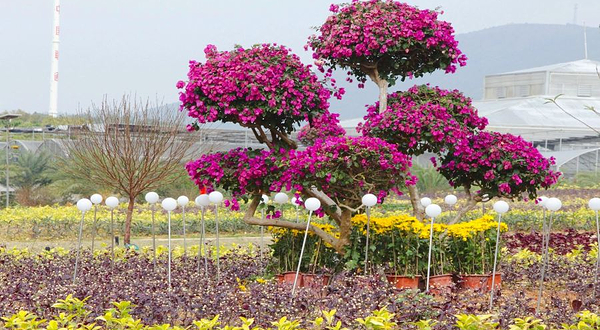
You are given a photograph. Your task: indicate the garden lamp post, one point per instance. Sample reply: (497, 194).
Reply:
(500, 207)
(425, 201)
(594, 204)
(542, 204)
(450, 200)
(152, 198)
(280, 198)
(83, 205)
(202, 201)
(264, 200)
(312, 204)
(112, 203)
(95, 199)
(432, 210)
(552, 204)
(216, 198)
(183, 201)
(368, 201)
(8, 117)
(169, 204)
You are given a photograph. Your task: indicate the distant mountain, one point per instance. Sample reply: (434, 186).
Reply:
(490, 51)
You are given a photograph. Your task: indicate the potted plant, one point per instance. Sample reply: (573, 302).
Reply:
(407, 260)
(317, 255)
(317, 279)
(442, 281)
(472, 244)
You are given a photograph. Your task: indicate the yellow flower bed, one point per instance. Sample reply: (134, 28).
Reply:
(406, 223)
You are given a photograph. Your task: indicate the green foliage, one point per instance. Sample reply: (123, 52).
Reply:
(425, 324)
(582, 180)
(586, 321)
(41, 119)
(381, 319)
(528, 323)
(73, 306)
(34, 169)
(476, 322)
(73, 315)
(430, 180)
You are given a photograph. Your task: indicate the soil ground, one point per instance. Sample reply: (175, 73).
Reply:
(38, 245)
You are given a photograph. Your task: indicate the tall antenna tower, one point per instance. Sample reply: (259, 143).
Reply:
(54, 66)
(575, 14)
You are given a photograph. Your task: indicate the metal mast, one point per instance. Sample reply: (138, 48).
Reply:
(54, 67)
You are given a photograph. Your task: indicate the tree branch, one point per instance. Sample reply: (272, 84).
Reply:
(249, 218)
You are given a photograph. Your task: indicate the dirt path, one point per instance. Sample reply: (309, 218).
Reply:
(38, 245)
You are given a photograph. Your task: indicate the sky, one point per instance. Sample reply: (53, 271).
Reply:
(112, 47)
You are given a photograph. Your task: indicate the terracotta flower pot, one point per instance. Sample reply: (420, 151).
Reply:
(474, 282)
(497, 281)
(288, 278)
(314, 280)
(404, 282)
(439, 284)
(479, 282)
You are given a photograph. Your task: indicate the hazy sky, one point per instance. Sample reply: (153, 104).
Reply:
(117, 46)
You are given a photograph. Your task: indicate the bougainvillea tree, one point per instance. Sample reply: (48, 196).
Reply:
(423, 119)
(267, 89)
(499, 165)
(385, 40)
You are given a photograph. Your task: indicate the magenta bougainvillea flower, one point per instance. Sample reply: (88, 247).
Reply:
(324, 125)
(501, 165)
(347, 167)
(336, 164)
(265, 84)
(423, 119)
(399, 39)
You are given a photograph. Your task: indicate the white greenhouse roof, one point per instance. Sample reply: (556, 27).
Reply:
(563, 157)
(536, 119)
(581, 66)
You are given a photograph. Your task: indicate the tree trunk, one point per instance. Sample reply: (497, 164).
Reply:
(471, 203)
(371, 71)
(338, 244)
(415, 200)
(127, 238)
(345, 231)
(383, 94)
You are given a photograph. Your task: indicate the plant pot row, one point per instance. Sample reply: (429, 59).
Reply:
(437, 284)
(447, 282)
(304, 279)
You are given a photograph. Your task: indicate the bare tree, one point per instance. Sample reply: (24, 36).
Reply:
(130, 147)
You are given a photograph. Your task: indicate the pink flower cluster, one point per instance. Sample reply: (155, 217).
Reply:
(499, 164)
(265, 84)
(324, 125)
(240, 171)
(403, 40)
(423, 119)
(345, 168)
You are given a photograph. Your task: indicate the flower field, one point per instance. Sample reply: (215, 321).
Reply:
(62, 221)
(36, 282)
